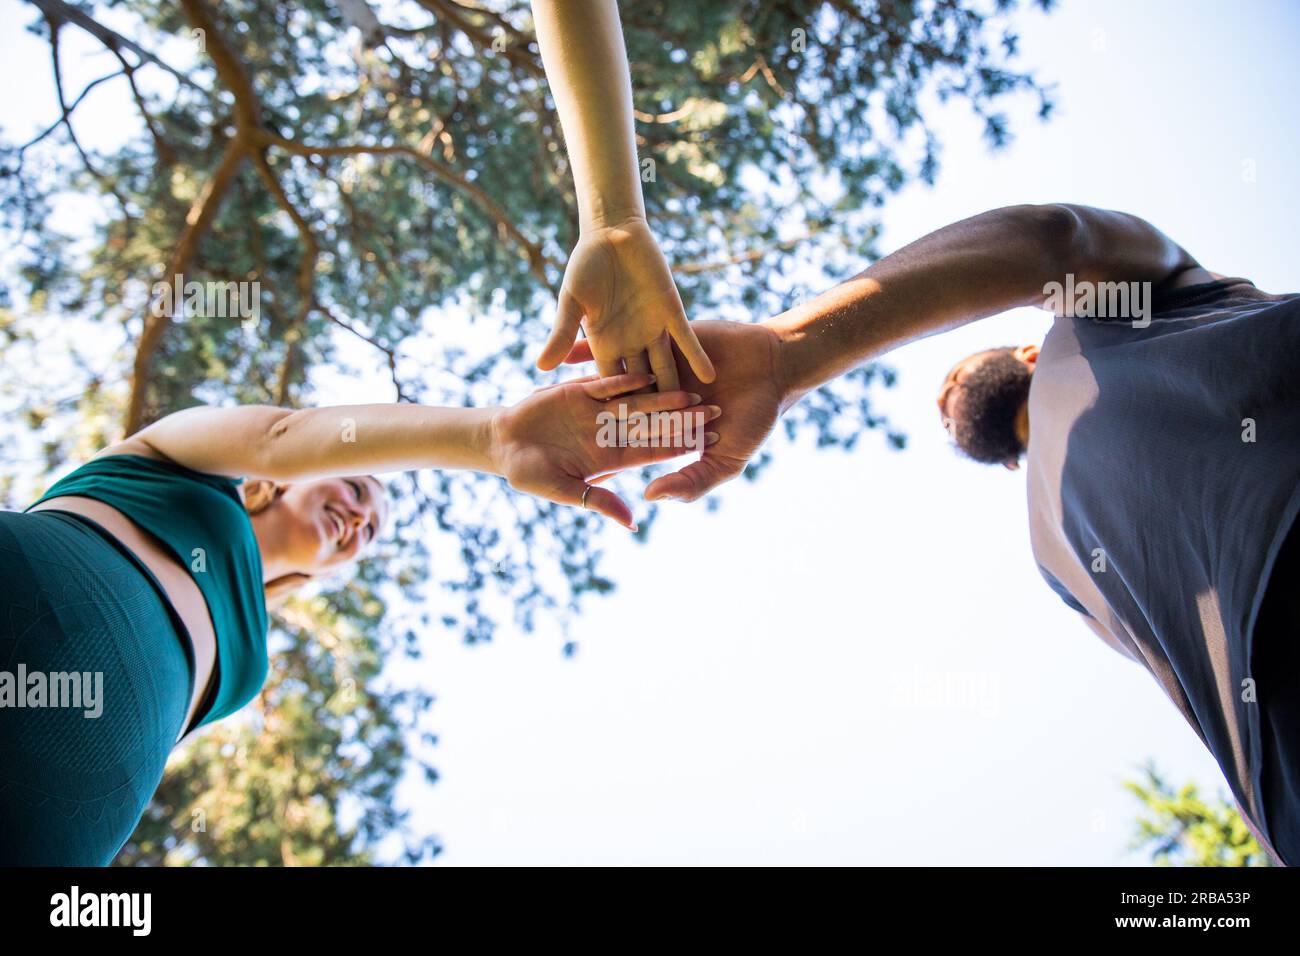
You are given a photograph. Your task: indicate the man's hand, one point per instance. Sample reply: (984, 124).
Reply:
(750, 389)
(619, 280)
(548, 445)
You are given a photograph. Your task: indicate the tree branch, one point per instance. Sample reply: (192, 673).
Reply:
(204, 209)
(56, 11)
(230, 69)
(64, 118)
(454, 14)
(202, 212)
(532, 251)
(67, 123)
(166, 154)
(695, 268)
(306, 272)
(389, 353)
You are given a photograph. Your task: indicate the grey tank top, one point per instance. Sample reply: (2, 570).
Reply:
(1163, 474)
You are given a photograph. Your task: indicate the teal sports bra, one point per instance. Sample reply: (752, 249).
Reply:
(202, 520)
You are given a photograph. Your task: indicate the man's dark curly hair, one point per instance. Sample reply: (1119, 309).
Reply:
(984, 424)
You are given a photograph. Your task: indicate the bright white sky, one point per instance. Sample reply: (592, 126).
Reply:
(854, 661)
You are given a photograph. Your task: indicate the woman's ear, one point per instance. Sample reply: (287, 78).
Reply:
(261, 493)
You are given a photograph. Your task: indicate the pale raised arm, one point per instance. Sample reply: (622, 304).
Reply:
(617, 283)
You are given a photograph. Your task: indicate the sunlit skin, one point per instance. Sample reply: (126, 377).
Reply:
(950, 392)
(314, 527)
(617, 284)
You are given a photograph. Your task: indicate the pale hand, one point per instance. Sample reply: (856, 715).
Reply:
(618, 279)
(749, 388)
(548, 446)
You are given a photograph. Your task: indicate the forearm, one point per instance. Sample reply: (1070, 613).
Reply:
(586, 65)
(284, 445)
(975, 268)
(978, 267)
(360, 439)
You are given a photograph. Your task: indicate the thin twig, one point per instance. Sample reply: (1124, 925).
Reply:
(537, 260)
(56, 11)
(75, 103)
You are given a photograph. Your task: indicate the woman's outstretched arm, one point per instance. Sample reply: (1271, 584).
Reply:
(548, 445)
(616, 277)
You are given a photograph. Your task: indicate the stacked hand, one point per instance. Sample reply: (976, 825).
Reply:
(619, 281)
(618, 286)
(549, 444)
(749, 388)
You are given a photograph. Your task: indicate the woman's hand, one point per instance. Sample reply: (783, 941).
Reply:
(553, 442)
(619, 280)
(751, 386)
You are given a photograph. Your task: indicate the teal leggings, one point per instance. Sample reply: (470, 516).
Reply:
(74, 604)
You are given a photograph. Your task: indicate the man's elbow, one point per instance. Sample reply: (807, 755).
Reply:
(1052, 239)
(1058, 233)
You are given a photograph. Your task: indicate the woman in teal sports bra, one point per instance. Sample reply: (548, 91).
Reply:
(134, 592)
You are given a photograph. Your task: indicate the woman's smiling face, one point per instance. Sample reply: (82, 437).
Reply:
(325, 523)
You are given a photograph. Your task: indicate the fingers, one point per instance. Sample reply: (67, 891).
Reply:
(600, 500)
(568, 316)
(692, 351)
(572, 381)
(677, 433)
(638, 363)
(695, 480)
(660, 353)
(662, 363)
(659, 361)
(581, 352)
(603, 388)
(675, 486)
(634, 456)
(657, 402)
(609, 368)
(682, 429)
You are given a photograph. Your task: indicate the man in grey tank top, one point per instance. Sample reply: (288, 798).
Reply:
(1162, 446)
(1160, 423)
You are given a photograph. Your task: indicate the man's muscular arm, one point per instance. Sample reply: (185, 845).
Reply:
(972, 269)
(978, 267)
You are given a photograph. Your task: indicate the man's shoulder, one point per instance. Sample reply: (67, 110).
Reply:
(1198, 288)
